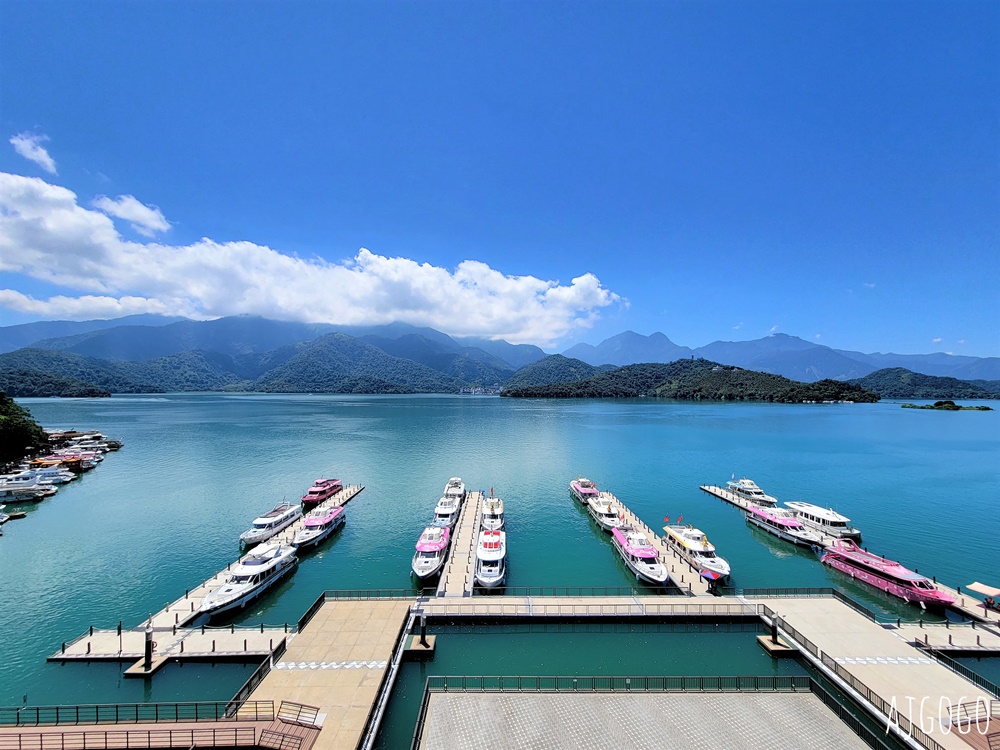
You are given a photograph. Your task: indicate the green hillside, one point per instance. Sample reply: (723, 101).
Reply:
(698, 380)
(898, 382)
(19, 433)
(552, 369)
(38, 384)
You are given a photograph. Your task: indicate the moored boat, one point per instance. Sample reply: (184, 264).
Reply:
(693, 546)
(492, 518)
(583, 489)
(491, 558)
(317, 526)
(606, 512)
(783, 524)
(640, 556)
(887, 575)
(455, 488)
(826, 520)
(251, 576)
(281, 516)
(432, 547)
(321, 491)
(747, 489)
(446, 511)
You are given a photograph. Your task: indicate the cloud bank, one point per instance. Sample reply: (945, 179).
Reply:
(29, 145)
(46, 234)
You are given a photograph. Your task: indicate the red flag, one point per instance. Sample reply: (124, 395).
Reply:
(680, 518)
(666, 519)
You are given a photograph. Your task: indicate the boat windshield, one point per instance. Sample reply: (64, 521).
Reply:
(262, 525)
(706, 554)
(925, 584)
(425, 555)
(242, 579)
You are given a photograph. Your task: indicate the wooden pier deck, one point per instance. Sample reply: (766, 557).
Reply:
(184, 610)
(458, 576)
(682, 575)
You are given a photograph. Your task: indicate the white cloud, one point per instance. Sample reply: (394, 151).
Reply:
(146, 220)
(818, 336)
(738, 326)
(46, 234)
(869, 285)
(29, 145)
(772, 329)
(938, 340)
(960, 342)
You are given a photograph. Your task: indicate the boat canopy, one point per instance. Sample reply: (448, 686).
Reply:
(982, 588)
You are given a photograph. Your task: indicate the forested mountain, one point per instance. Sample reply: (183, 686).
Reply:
(466, 363)
(26, 334)
(552, 369)
(898, 382)
(698, 380)
(337, 363)
(18, 431)
(38, 384)
(628, 348)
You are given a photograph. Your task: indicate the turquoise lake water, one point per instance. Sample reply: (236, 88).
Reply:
(165, 512)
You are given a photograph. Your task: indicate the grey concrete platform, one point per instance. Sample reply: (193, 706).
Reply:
(581, 721)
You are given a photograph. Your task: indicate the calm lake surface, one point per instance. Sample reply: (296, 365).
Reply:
(165, 512)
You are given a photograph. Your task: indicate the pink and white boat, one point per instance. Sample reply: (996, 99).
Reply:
(783, 524)
(888, 575)
(640, 556)
(318, 525)
(321, 491)
(432, 548)
(583, 489)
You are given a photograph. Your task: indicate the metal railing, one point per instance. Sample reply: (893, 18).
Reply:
(370, 728)
(873, 739)
(298, 713)
(134, 713)
(279, 740)
(131, 738)
(974, 677)
(616, 684)
(243, 694)
(474, 607)
(974, 712)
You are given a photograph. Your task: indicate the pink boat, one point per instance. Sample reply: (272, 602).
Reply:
(639, 554)
(318, 525)
(888, 575)
(584, 490)
(783, 524)
(432, 548)
(321, 491)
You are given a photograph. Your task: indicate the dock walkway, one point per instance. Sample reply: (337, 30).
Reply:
(460, 569)
(682, 575)
(865, 656)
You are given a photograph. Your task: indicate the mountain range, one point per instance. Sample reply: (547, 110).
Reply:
(151, 353)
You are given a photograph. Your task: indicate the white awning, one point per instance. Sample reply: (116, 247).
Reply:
(982, 588)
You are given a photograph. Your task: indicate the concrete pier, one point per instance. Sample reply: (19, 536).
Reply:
(459, 573)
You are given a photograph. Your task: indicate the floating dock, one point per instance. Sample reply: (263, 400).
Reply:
(175, 640)
(459, 573)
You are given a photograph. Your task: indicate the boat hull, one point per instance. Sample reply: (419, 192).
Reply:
(425, 572)
(861, 574)
(492, 580)
(781, 534)
(253, 593)
(312, 541)
(256, 536)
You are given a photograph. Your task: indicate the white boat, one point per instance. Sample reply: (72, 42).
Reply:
(432, 548)
(693, 546)
(52, 474)
(318, 525)
(25, 478)
(250, 577)
(26, 493)
(446, 511)
(492, 518)
(491, 558)
(826, 520)
(640, 556)
(264, 527)
(747, 489)
(455, 488)
(583, 489)
(606, 512)
(783, 524)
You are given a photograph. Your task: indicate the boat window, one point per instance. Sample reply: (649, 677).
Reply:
(706, 555)
(241, 579)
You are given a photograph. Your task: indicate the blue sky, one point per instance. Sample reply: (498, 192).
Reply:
(549, 172)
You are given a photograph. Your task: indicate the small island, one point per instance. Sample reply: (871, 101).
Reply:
(947, 406)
